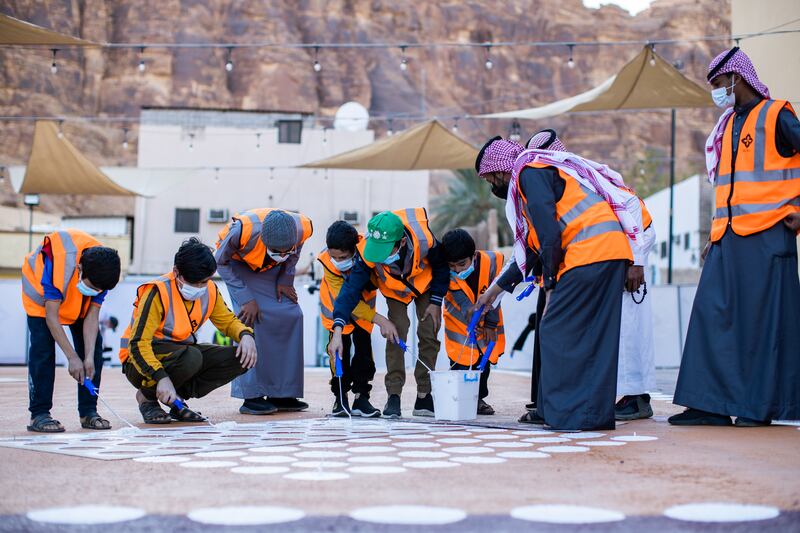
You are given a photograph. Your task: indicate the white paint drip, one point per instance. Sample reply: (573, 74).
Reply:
(317, 476)
(260, 470)
(225, 426)
(86, 514)
(207, 464)
(478, 460)
(376, 469)
(268, 459)
(468, 450)
(409, 515)
(721, 512)
(564, 449)
(566, 514)
(429, 464)
(523, 455)
(245, 516)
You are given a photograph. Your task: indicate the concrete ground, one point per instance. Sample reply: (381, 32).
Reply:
(759, 466)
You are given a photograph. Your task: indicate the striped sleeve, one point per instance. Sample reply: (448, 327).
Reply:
(145, 324)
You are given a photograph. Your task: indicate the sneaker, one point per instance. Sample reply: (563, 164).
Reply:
(257, 406)
(743, 422)
(423, 406)
(362, 407)
(696, 417)
(633, 407)
(392, 407)
(484, 408)
(341, 409)
(289, 405)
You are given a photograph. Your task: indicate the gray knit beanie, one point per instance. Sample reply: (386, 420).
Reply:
(279, 231)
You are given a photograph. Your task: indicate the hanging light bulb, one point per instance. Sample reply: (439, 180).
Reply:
(317, 64)
(258, 140)
(488, 64)
(142, 66)
(516, 131)
(571, 61)
(59, 133)
(124, 138)
(53, 66)
(652, 55)
(403, 59)
(229, 61)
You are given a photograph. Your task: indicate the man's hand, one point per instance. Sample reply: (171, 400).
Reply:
(792, 221)
(288, 291)
(249, 313)
(165, 391)
(246, 352)
(434, 312)
(388, 329)
(706, 248)
(487, 299)
(335, 344)
(634, 278)
(490, 334)
(76, 368)
(546, 301)
(88, 368)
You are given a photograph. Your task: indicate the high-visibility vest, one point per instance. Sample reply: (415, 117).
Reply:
(222, 340)
(178, 325)
(457, 303)
(590, 232)
(252, 250)
(758, 187)
(67, 247)
(327, 298)
(395, 285)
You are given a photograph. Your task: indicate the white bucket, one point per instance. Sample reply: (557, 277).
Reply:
(455, 394)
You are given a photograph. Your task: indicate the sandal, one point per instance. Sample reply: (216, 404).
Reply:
(95, 421)
(186, 415)
(45, 423)
(531, 417)
(152, 413)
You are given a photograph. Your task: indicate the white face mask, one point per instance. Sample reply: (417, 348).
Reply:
(343, 266)
(86, 290)
(278, 258)
(721, 97)
(192, 293)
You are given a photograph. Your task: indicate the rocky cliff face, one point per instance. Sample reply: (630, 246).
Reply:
(440, 82)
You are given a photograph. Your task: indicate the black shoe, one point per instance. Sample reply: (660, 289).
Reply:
(744, 422)
(484, 408)
(257, 406)
(531, 417)
(341, 409)
(289, 405)
(423, 406)
(633, 407)
(362, 407)
(392, 407)
(696, 417)
(530, 406)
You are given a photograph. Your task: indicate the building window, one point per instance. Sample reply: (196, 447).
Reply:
(187, 220)
(290, 131)
(663, 249)
(686, 241)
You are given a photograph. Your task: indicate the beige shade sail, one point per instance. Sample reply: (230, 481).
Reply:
(55, 166)
(639, 85)
(18, 32)
(426, 146)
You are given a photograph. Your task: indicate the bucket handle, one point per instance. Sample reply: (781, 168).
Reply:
(469, 379)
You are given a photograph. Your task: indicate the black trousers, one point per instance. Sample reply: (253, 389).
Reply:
(358, 370)
(483, 389)
(42, 367)
(536, 368)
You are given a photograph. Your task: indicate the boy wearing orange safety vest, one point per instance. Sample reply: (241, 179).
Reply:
(159, 351)
(471, 273)
(357, 372)
(64, 283)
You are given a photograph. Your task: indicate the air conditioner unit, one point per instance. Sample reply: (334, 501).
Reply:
(217, 215)
(351, 217)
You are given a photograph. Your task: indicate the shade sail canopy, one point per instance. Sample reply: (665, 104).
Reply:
(639, 85)
(426, 146)
(18, 32)
(55, 166)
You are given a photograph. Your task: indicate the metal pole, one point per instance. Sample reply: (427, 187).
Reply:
(30, 249)
(30, 229)
(671, 195)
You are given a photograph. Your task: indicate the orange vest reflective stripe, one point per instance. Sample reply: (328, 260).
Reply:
(67, 247)
(760, 187)
(421, 240)
(178, 324)
(251, 250)
(327, 299)
(590, 232)
(457, 303)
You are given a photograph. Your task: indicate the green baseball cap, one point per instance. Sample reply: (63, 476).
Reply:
(383, 231)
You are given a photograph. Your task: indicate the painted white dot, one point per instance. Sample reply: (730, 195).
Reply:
(546, 440)
(532, 433)
(245, 516)
(417, 444)
(602, 443)
(162, 459)
(429, 464)
(477, 429)
(86, 514)
(374, 459)
(316, 476)
(323, 445)
(372, 449)
(369, 440)
(424, 454)
(451, 433)
(321, 455)
(274, 449)
(260, 470)
(413, 436)
(409, 515)
(478, 460)
(564, 449)
(496, 436)
(634, 438)
(468, 450)
(523, 455)
(459, 440)
(376, 469)
(508, 444)
(721, 512)
(207, 464)
(268, 459)
(220, 455)
(583, 435)
(566, 514)
(319, 464)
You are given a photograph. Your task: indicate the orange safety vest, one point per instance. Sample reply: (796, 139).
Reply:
(590, 232)
(327, 299)
(67, 247)
(758, 187)
(178, 324)
(457, 303)
(394, 284)
(251, 250)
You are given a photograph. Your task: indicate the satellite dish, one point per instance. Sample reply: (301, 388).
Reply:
(351, 116)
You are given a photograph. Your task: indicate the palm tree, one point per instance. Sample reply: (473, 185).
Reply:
(466, 203)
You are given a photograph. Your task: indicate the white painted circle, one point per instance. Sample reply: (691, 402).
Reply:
(564, 449)
(221, 454)
(323, 445)
(274, 449)
(86, 514)
(268, 459)
(468, 450)
(372, 449)
(260, 470)
(429, 464)
(207, 464)
(566, 514)
(496, 436)
(316, 476)
(374, 459)
(321, 455)
(583, 435)
(506, 444)
(634, 438)
(409, 515)
(546, 440)
(451, 433)
(523, 455)
(602, 443)
(413, 436)
(369, 440)
(376, 469)
(459, 440)
(319, 464)
(423, 454)
(478, 460)
(532, 433)
(162, 459)
(476, 429)
(417, 444)
(721, 512)
(245, 515)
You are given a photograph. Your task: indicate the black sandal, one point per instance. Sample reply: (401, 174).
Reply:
(95, 421)
(531, 417)
(45, 424)
(152, 413)
(186, 415)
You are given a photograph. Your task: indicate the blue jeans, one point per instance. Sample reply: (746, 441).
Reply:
(42, 368)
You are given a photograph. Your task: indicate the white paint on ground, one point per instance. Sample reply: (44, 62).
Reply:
(86, 514)
(319, 464)
(369, 440)
(260, 470)
(372, 449)
(207, 464)
(523, 455)
(321, 455)
(374, 459)
(323, 445)
(376, 469)
(268, 459)
(220, 455)
(245, 516)
(505, 444)
(417, 444)
(451, 433)
(424, 454)
(546, 440)
(634, 438)
(409, 515)
(478, 429)
(532, 433)
(458, 440)
(564, 449)
(721, 512)
(274, 449)
(430, 464)
(12, 380)
(583, 435)
(478, 460)
(602, 443)
(162, 459)
(412, 436)
(566, 514)
(317, 476)
(468, 450)
(496, 436)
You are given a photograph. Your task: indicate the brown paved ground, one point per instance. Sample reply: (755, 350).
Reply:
(755, 466)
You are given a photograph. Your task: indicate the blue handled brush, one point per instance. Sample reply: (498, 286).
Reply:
(94, 392)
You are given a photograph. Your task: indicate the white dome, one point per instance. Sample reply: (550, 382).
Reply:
(351, 116)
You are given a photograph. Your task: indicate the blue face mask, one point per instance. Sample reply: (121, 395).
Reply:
(392, 259)
(464, 274)
(86, 290)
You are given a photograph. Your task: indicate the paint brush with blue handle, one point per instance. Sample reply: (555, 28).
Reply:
(403, 346)
(94, 392)
(339, 372)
